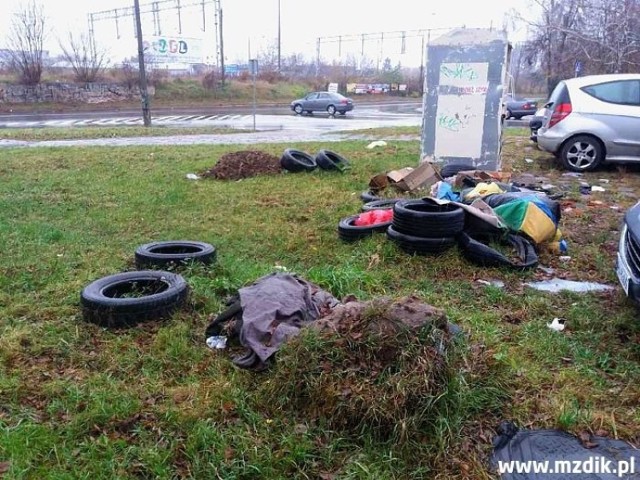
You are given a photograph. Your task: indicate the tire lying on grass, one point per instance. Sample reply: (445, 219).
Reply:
(124, 299)
(297, 161)
(420, 245)
(485, 256)
(386, 204)
(349, 232)
(422, 218)
(328, 160)
(368, 196)
(163, 254)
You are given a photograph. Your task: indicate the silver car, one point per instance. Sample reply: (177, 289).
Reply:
(322, 101)
(591, 120)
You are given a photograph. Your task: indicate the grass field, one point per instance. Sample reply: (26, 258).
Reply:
(78, 401)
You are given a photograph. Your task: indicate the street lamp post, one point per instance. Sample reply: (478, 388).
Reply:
(279, 39)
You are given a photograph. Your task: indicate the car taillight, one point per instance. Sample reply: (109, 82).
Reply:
(345, 101)
(561, 112)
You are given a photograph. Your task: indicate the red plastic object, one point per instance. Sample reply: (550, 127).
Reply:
(373, 217)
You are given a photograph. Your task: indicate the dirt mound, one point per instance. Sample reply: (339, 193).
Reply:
(244, 164)
(383, 365)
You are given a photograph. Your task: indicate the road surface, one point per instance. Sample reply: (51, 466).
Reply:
(269, 117)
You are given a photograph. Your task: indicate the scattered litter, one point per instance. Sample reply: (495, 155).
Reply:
(603, 180)
(614, 207)
(585, 189)
(244, 164)
(556, 285)
(567, 210)
(217, 342)
(192, 176)
(564, 258)
(597, 188)
(572, 174)
(528, 160)
(491, 283)
(557, 324)
(547, 186)
(377, 143)
(282, 268)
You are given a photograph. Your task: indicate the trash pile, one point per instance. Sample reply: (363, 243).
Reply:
(478, 210)
(380, 365)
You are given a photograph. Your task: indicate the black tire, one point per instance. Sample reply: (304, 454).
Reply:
(368, 196)
(105, 301)
(343, 113)
(331, 110)
(297, 161)
(164, 254)
(485, 256)
(328, 160)
(420, 245)
(453, 169)
(384, 204)
(507, 114)
(427, 219)
(582, 153)
(349, 232)
(297, 108)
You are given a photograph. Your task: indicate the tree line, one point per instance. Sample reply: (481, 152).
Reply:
(578, 37)
(565, 38)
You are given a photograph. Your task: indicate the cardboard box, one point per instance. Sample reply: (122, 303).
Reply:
(409, 179)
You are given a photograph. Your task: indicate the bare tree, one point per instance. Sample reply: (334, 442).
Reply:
(26, 40)
(86, 60)
(602, 35)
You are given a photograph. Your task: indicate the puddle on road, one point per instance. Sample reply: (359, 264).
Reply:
(556, 285)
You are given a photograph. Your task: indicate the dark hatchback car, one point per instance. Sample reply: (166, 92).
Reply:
(628, 262)
(322, 102)
(518, 108)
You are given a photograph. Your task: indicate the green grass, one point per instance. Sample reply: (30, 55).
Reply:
(76, 133)
(78, 401)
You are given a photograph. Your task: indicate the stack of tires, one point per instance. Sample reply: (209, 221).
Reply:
(424, 227)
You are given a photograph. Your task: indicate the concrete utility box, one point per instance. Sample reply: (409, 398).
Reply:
(463, 89)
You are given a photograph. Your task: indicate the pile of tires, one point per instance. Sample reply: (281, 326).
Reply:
(298, 161)
(424, 227)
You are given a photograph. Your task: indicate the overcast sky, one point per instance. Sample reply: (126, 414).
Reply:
(302, 22)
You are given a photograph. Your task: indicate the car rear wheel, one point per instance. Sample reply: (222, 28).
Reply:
(331, 110)
(582, 153)
(343, 113)
(298, 109)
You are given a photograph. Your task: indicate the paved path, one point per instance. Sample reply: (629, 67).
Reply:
(288, 136)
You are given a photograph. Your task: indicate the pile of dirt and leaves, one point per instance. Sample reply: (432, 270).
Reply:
(244, 164)
(383, 366)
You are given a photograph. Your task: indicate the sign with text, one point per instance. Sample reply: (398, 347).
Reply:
(174, 49)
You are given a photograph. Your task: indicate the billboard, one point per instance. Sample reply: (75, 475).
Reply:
(174, 49)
